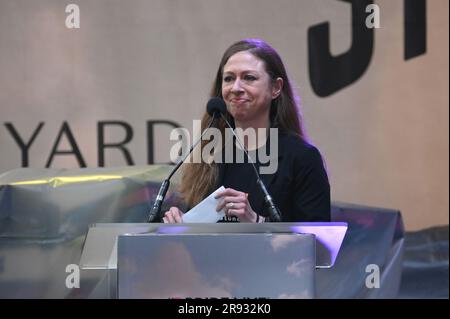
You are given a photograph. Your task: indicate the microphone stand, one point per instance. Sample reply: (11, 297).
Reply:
(156, 209)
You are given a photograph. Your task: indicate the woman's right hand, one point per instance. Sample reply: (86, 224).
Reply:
(172, 216)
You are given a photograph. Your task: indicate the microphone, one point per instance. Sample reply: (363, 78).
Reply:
(214, 109)
(274, 212)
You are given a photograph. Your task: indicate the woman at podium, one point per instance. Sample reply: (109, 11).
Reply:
(253, 83)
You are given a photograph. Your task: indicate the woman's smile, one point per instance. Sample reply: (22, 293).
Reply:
(238, 101)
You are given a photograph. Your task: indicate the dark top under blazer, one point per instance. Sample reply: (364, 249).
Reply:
(300, 186)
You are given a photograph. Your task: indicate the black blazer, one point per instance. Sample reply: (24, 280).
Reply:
(299, 187)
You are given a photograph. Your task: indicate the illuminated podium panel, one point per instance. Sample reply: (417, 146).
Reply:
(224, 260)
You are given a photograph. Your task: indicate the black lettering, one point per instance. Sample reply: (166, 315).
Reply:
(120, 145)
(150, 137)
(24, 147)
(65, 130)
(329, 74)
(415, 28)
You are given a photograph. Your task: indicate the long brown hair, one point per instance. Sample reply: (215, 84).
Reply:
(199, 179)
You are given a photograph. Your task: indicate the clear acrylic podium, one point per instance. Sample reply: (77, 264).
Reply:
(223, 260)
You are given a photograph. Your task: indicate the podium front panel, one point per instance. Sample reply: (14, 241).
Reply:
(216, 266)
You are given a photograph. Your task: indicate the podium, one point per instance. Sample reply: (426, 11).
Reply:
(223, 260)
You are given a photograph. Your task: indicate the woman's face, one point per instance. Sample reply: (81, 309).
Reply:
(248, 90)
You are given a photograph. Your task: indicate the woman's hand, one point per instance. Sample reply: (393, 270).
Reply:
(172, 216)
(236, 204)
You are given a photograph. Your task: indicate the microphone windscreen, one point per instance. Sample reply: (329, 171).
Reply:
(216, 106)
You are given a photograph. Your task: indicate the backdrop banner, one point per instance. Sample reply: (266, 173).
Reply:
(102, 84)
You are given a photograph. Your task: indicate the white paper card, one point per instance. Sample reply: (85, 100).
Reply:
(205, 211)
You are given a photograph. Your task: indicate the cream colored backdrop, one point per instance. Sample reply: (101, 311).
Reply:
(384, 137)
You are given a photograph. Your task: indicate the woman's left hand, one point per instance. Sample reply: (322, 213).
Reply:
(236, 204)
